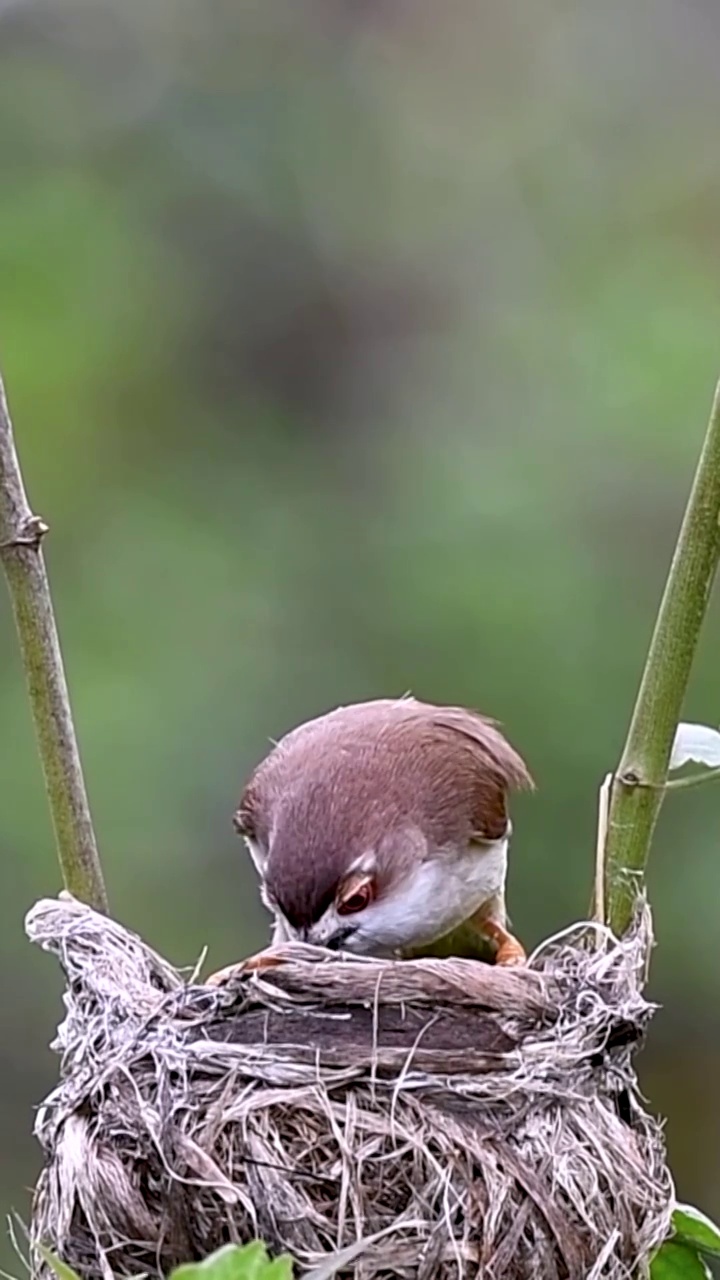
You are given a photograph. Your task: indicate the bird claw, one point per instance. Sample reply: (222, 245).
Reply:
(511, 953)
(253, 964)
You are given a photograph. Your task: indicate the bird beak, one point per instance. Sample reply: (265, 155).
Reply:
(335, 942)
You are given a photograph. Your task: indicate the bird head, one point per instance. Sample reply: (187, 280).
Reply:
(380, 826)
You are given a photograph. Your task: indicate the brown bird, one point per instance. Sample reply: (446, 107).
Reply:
(383, 829)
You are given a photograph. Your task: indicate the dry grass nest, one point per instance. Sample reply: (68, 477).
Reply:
(465, 1121)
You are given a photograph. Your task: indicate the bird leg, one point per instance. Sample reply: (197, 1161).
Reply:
(509, 950)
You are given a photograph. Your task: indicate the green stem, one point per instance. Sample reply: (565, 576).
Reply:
(21, 535)
(640, 780)
(692, 780)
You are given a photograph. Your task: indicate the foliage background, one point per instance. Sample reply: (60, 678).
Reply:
(355, 347)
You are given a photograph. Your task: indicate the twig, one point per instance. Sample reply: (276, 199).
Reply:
(680, 784)
(21, 534)
(640, 781)
(692, 780)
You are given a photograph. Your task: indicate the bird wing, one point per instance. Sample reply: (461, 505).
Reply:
(487, 769)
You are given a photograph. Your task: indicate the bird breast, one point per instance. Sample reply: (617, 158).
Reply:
(436, 896)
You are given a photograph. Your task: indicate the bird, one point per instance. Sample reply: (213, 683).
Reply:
(382, 828)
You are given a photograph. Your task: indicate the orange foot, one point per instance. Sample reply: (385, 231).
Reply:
(509, 950)
(263, 960)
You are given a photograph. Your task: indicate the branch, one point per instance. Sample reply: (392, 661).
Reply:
(21, 534)
(692, 780)
(640, 781)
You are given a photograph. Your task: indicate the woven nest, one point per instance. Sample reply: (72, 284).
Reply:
(464, 1121)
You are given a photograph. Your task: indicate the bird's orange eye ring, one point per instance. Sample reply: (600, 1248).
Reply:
(356, 900)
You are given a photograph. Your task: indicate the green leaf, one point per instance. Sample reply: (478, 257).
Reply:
(279, 1269)
(694, 1228)
(675, 1261)
(233, 1262)
(61, 1269)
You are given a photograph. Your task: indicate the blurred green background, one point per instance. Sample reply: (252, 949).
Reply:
(355, 346)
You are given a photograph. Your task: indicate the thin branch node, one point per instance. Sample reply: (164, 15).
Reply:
(30, 534)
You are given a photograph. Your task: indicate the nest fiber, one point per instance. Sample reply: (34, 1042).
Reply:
(462, 1121)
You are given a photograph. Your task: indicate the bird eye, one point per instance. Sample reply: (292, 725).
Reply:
(358, 900)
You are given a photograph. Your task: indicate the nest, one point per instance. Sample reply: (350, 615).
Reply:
(462, 1121)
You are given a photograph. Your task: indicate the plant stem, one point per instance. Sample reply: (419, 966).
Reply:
(639, 783)
(21, 534)
(692, 780)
